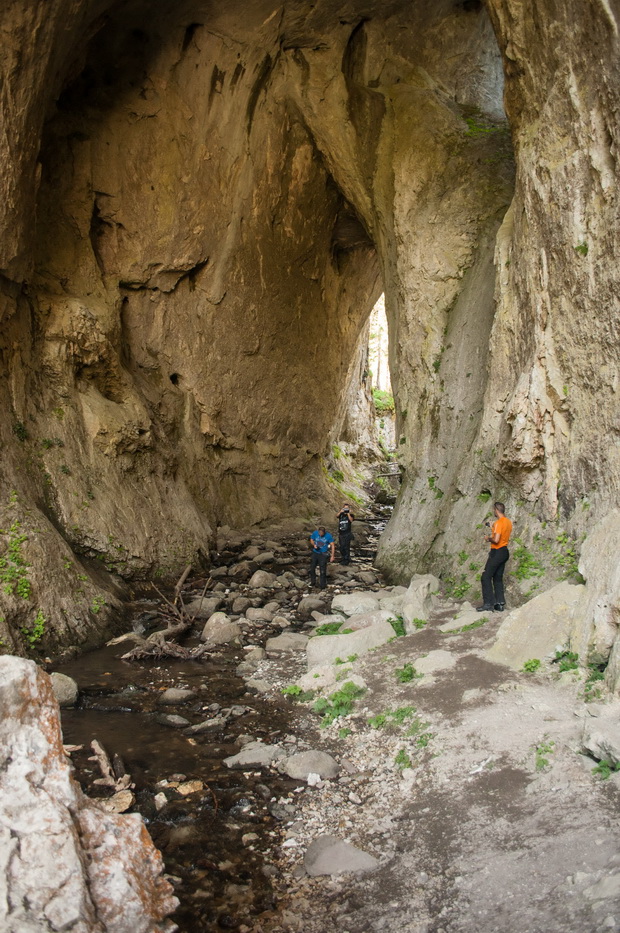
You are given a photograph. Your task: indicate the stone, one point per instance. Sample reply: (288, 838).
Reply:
(323, 675)
(174, 695)
(207, 725)
(265, 557)
(220, 630)
(243, 569)
(302, 764)
(251, 552)
(258, 615)
(282, 621)
(419, 600)
(288, 641)
(326, 619)
(466, 617)
(72, 865)
(241, 604)
(355, 603)
(326, 648)
(367, 577)
(328, 855)
(218, 572)
(203, 609)
(262, 578)
(118, 803)
(170, 719)
(601, 736)
(357, 622)
(259, 684)
(536, 628)
(189, 787)
(393, 604)
(254, 755)
(310, 604)
(65, 689)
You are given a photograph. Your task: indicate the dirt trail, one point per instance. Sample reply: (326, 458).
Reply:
(499, 823)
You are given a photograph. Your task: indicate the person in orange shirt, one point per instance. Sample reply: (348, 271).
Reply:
(492, 578)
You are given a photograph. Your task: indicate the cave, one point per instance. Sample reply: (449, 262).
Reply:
(203, 202)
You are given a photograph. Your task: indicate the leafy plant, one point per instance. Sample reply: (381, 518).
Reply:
(527, 565)
(542, 750)
(383, 401)
(473, 625)
(531, 666)
(19, 429)
(462, 556)
(35, 634)
(484, 496)
(343, 733)
(418, 623)
(338, 704)
(402, 760)
(406, 674)
(596, 674)
(456, 588)
(329, 628)
(566, 660)
(398, 624)
(582, 249)
(416, 727)
(376, 722)
(293, 690)
(423, 739)
(97, 604)
(13, 565)
(401, 714)
(605, 769)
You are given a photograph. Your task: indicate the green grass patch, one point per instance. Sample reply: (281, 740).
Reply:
(605, 769)
(398, 624)
(566, 660)
(338, 704)
(402, 760)
(542, 750)
(526, 564)
(330, 628)
(406, 674)
(531, 666)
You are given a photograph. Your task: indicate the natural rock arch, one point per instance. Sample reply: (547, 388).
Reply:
(220, 191)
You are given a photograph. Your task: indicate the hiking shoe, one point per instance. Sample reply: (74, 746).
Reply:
(485, 608)
(499, 607)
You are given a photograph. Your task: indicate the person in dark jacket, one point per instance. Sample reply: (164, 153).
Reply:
(345, 533)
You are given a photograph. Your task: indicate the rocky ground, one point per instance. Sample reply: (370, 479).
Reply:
(432, 789)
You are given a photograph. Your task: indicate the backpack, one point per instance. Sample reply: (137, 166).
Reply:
(344, 525)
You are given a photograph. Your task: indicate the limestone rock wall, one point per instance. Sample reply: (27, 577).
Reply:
(65, 863)
(203, 202)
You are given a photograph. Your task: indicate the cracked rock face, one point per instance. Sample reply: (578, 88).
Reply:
(202, 203)
(64, 863)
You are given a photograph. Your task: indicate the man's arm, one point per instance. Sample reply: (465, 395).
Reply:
(332, 548)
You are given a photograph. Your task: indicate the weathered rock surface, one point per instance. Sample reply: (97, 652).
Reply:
(203, 608)
(66, 864)
(255, 755)
(601, 735)
(289, 641)
(355, 603)
(323, 649)
(418, 601)
(536, 628)
(174, 695)
(329, 855)
(311, 762)
(220, 630)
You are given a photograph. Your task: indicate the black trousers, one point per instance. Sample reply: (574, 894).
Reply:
(492, 578)
(344, 545)
(319, 560)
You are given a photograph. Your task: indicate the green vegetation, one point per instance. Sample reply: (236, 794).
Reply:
(376, 722)
(417, 727)
(13, 565)
(343, 733)
(35, 634)
(398, 624)
(349, 660)
(19, 430)
(596, 674)
(418, 623)
(542, 750)
(567, 559)
(295, 691)
(605, 769)
(484, 496)
(531, 666)
(527, 565)
(406, 674)
(566, 660)
(423, 739)
(462, 556)
(391, 717)
(336, 452)
(65, 469)
(329, 628)
(582, 249)
(97, 604)
(383, 401)
(456, 588)
(402, 760)
(338, 704)
(479, 126)
(473, 625)
(401, 714)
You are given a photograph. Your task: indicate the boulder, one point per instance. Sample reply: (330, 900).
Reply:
(352, 604)
(328, 855)
(203, 608)
(254, 755)
(258, 615)
(242, 569)
(310, 604)
(170, 719)
(302, 764)
(601, 735)
(251, 552)
(282, 621)
(288, 641)
(464, 617)
(262, 578)
(321, 619)
(322, 676)
(266, 557)
(419, 600)
(323, 649)
(535, 629)
(366, 619)
(240, 604)
(69, 864)
(367, 577)
(65, 690)
(174, 695)
(393, 604)
(220, 630)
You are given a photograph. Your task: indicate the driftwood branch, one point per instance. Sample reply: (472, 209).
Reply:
(113, 774)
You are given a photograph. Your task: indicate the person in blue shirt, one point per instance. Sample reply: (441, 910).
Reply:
(323, 549)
